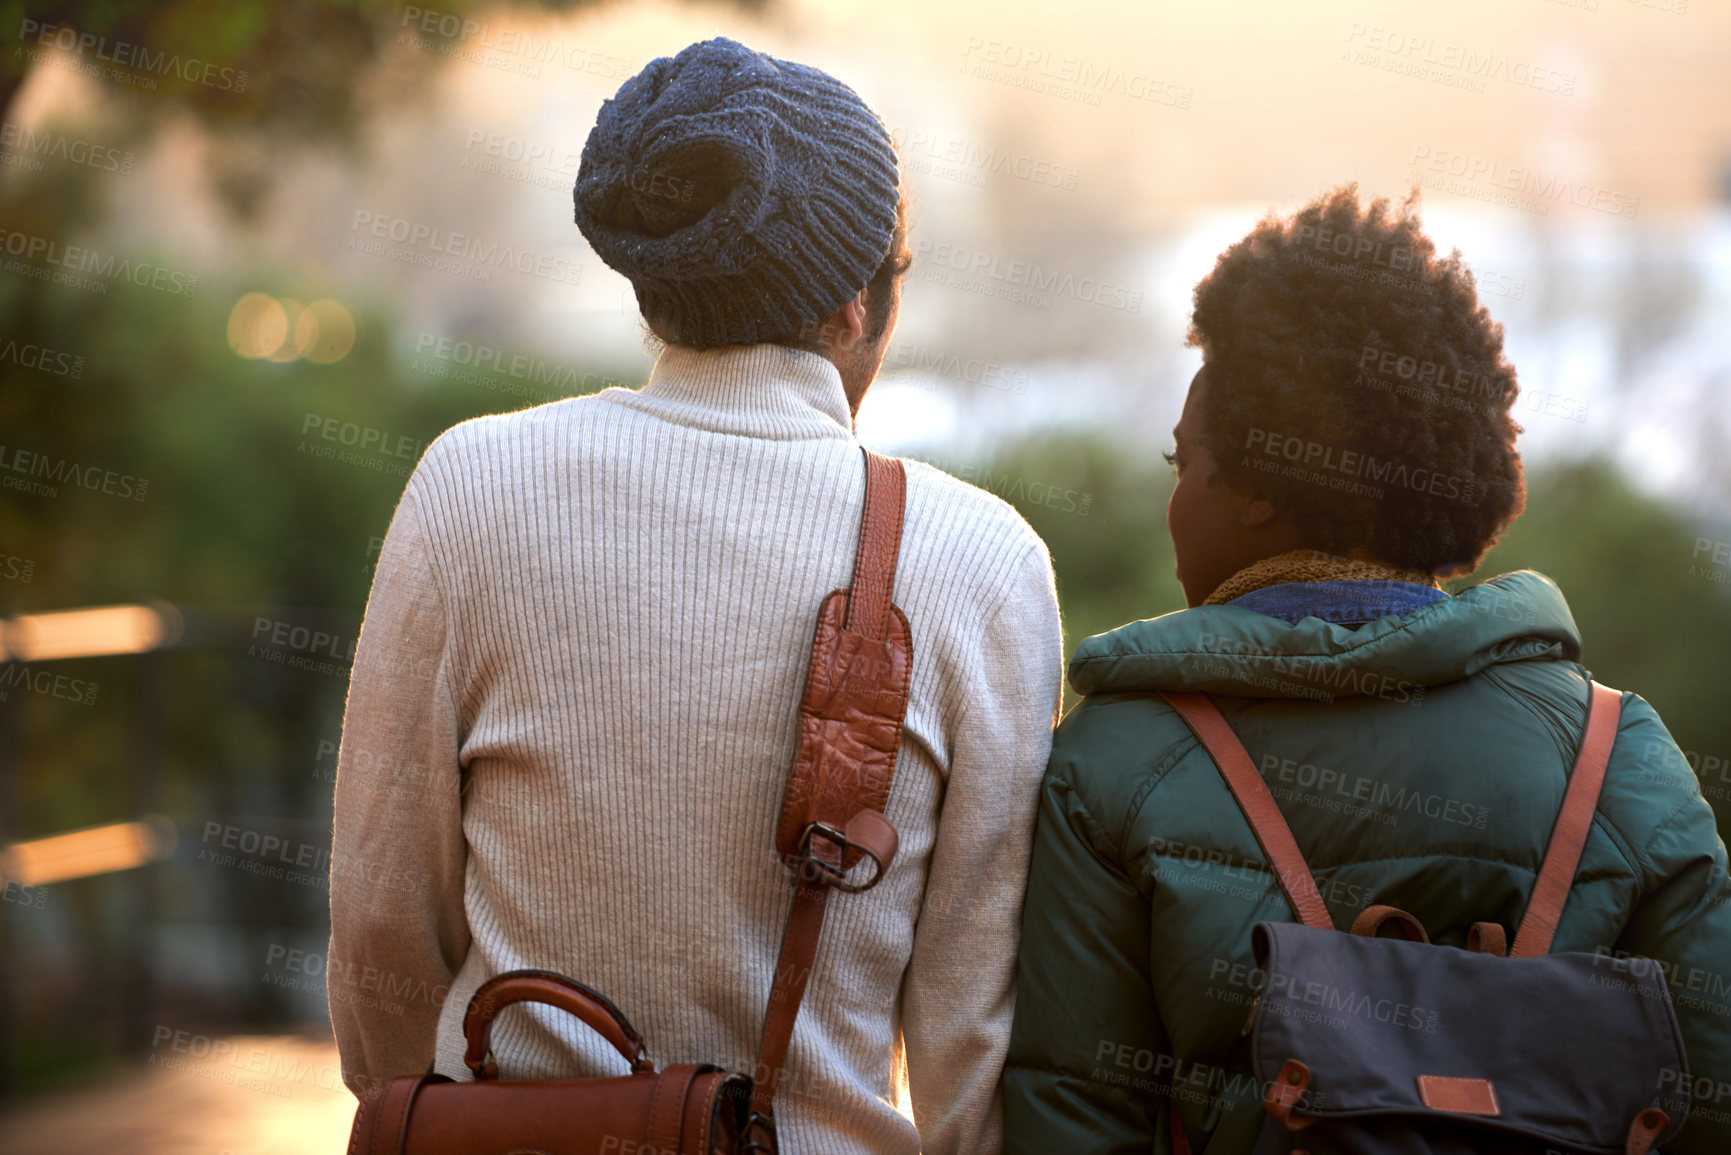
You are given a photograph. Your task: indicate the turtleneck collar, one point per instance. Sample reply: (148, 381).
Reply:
(767, 391)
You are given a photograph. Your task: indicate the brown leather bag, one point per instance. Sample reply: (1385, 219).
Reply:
(850, 723)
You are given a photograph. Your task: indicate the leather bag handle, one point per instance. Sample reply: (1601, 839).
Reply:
(1260, 810)
(538, 986)
(1569, 836)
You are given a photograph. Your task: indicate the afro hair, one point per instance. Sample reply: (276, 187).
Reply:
(1352, 378)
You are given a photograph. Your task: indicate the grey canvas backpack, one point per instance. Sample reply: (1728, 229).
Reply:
(1376, 1042)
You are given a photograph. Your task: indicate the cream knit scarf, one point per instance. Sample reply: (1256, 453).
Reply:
(1309, 565)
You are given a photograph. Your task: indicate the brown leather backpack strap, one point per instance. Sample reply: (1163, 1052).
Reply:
(1258, 805)
(1569, 836)
(851, 712)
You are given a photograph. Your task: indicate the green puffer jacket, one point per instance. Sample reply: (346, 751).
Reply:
(1420, 762)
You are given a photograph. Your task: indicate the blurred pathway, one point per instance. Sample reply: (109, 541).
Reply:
(246, 1095)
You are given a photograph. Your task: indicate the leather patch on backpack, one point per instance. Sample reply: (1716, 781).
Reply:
(1459, 1096)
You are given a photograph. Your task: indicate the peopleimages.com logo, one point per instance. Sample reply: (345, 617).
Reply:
(77, 259)
(42, 359)
(1519, 186)
(1332, 461)
(518, 50)
(1020, 281)
(425, 245)
(133, 56)
(29, 465)
(27, 147)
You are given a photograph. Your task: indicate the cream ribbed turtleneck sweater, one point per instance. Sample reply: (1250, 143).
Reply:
(570, 723)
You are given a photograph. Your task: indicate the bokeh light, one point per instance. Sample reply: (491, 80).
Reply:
(257, 325)
(283, 329)
(324, 332)
(286, 348)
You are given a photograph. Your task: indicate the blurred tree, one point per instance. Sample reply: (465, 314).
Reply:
(283, 72)
(261, 76)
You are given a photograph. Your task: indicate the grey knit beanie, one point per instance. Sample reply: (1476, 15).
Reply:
(744, 197)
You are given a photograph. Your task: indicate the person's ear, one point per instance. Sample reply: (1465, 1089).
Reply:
(846, 326)
(1257, 512)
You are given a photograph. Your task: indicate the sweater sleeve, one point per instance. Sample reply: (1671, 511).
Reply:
(1088, 1047)
(1683, 920)
(398, 929)
(958, 993)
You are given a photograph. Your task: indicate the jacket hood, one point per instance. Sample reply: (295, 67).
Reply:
(1518, 617)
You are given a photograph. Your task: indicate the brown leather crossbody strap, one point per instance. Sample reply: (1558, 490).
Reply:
(880, 545)
(851, 713)
(1569, 836)
(1259, 807)
(792, 972)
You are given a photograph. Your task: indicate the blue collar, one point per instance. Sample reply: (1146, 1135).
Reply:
(1344, 603)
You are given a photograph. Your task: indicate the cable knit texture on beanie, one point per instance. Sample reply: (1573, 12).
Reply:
(743, 196)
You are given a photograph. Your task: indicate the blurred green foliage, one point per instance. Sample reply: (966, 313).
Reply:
(259, 77)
